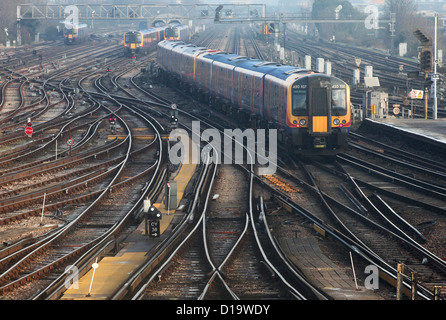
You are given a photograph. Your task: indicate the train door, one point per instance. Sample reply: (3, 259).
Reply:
(319, 111)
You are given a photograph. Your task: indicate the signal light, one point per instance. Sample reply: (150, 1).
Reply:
(154, 214)
(426, 62)
(422, 37)
(108, 70)
(271, 28)
(112, 120)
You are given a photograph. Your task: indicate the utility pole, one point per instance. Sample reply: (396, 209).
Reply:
(392, 32)
(434, 76)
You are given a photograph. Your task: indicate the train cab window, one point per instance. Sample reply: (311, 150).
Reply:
(299, 106)
(133, 38)
(70, 31)
(338, 102)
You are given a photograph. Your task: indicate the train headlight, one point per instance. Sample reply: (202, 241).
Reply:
(336, 122)
(302, 122)
(294, 121)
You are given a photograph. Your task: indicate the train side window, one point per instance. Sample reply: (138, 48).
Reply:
(338, 102)
(299, 106)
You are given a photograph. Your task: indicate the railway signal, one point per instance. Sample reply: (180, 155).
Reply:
(108, 69)
(154, 213)
(426, 64)
(29, 128)
(428, 84)
(422, 37)
(271, 28)
(152, 217)
(154, 229)
(112, 120)
(173, 116)
(426, 61)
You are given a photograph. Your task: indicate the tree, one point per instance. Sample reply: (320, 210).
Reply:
(325, 9)
(7, 19)
(406, 21)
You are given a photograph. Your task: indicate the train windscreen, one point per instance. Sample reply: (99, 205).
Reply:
(69, 31)
(299, 98)
(132, 37)
(338, 98)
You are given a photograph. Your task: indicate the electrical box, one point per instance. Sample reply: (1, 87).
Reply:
(170, 195)
(376, 104)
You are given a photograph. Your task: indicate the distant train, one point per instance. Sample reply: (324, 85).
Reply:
(141, 42)
(311, 111)
(177, 32)
(74, 34)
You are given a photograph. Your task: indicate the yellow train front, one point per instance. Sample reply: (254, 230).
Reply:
(132, 42)
(74, 34)
(142, 42)
(318, 114)
(177, 32)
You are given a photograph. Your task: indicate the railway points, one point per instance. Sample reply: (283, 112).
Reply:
(115, 271)
(332, 278)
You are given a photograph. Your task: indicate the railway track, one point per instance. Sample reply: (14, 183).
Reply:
(231, 267)
(101, 213)
(184, 117)
(349, 237)
(109, 161)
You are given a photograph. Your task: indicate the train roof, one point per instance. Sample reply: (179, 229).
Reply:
(285, 71)
(178, 45)
(273, 68)
(151, 30)
(179, 26)
(68, 25)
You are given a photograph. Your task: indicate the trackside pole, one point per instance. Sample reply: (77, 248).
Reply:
(43, 208)
(399, 282)
(95, 266)
(353, 268)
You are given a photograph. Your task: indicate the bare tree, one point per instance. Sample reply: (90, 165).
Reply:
(405, 12)
(406, 21)
(7, 18)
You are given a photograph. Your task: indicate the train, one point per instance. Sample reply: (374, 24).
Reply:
(143, 41)
(74, 34)
(311, 111)
(177, 32)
